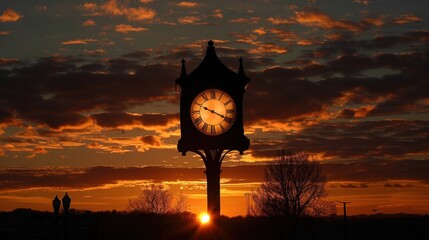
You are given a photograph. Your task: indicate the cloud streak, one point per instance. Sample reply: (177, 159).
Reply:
(9, 15)
(101, 176)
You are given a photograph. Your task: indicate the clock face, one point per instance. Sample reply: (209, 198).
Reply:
(213, 112)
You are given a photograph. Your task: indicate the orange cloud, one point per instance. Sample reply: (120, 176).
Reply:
(96, 52)
(376, 21)
(243, 38)
(264, 48)
(37, 150)
(260, 31)
(319, 19)
(139, 14)
(364, 2)
(89, 6)
(279, 20)
(188, 4)
(407, 18)
(217, 13)
(116, 8)
(79, 41)
(252, 20)
(10, 15)
(191, 20)
(129, 144)
(112, 8)
(125, 28)
(305, 42)
(2, 33)
(284, 36)
(89, 23)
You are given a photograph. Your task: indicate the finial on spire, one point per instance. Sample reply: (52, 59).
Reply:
(210, 43)
(183, 71)
(240, 68)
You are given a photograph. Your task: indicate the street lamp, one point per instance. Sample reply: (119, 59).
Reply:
(56, 204)
(66, 205)
(345, 217)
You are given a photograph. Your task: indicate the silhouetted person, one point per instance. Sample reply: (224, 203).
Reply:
(66, 205)
(56, 204)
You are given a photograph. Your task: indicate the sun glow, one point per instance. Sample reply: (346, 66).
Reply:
(204, 218)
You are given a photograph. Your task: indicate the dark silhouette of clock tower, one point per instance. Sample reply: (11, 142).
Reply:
(211, 117)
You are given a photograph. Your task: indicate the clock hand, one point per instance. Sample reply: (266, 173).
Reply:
(213, 111)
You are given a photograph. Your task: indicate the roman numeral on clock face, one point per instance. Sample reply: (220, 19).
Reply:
(213, 112)
(228, 120)
(212, 130)
(204, 128)
(221, 95)
(198, 120)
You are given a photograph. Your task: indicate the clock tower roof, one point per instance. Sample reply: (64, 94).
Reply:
(211, 62)
(211, 71)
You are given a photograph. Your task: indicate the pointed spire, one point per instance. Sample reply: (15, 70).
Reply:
(240, 68)
(183, 71)
(210, 48)
(210, 43)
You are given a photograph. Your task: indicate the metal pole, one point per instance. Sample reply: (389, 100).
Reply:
(213, 184)
(247, 195)
(345, 218)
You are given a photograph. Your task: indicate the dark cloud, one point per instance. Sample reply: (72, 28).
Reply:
(9, 62)
(363, 172)
(281, 93)
(140, 55)
(312, 17)
(6, 116)
(350, 185)
(378, 170)
(397, 185)
(353, 140)
(151, 140)
(55, 92)
(119, 119)
(346, 44)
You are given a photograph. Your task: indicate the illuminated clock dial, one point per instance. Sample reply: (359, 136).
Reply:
(213, 112)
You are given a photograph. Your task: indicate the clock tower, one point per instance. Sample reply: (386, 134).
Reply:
(211, 117)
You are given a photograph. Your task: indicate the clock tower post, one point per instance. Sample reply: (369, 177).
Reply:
(211, 117)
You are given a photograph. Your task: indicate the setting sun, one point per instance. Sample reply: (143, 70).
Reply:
(204, 218)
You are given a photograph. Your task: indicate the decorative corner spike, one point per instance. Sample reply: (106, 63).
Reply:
(240, 68)
(183, 71)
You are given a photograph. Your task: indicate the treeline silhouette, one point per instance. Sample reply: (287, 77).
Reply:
(31, 224)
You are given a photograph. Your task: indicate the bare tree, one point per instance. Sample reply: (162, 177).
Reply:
(156, 203)
(157, 200)
(293, 187)
(181, 203)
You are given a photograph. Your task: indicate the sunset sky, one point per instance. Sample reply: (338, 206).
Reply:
(88, 103)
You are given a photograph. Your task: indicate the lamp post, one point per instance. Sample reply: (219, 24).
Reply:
(247, 196)
(345, 218)
(66, 205)
(56, 204)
